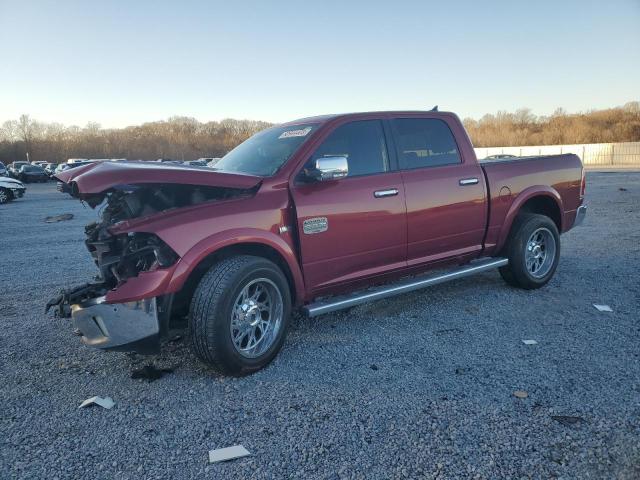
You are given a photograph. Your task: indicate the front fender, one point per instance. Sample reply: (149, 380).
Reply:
(519, 201)
(218, 241)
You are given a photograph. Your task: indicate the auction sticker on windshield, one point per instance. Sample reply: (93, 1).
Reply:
(295, 133)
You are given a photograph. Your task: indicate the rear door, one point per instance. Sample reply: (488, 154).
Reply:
(445, 193)
(352, 227)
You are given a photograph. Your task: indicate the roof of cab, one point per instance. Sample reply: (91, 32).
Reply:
(325, 118)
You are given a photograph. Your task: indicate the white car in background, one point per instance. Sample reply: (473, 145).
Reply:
(10, 189)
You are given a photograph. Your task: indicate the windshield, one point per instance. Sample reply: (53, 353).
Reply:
(31, 168)
(265, 152)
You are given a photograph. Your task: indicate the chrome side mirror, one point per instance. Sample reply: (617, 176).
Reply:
(330, 168)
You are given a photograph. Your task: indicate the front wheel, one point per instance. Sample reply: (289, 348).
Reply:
(5, 195)
(240, 314)
(533, 250)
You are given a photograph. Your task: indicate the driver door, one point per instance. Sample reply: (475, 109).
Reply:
(352, 227)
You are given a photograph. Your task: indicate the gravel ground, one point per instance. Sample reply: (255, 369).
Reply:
(420, 386)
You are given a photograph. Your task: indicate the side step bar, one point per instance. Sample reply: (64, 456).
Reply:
(415, 283)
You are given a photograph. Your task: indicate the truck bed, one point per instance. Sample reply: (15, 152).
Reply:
(558, 176)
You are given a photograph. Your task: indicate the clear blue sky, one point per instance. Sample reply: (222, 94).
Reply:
(125, 62)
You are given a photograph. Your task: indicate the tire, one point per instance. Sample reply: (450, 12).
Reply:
(533, 250)
(225, 306)
(5, 195)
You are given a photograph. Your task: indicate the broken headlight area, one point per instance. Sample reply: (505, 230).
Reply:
(119, 257)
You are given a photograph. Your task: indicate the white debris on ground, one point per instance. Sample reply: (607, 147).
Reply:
(228, 453)
(603, 308)
(106, 402)
(529, 342)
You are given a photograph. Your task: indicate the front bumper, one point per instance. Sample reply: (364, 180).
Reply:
(18, 192)
(580, 214)
(131, 326)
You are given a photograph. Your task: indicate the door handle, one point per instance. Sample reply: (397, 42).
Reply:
(389, 192)
(468, 181)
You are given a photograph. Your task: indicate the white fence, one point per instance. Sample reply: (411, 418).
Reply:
(592, 154)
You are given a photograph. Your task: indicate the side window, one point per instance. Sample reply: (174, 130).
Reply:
(425, 142)
(361, 142)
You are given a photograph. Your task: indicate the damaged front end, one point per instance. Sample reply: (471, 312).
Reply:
(126, 306)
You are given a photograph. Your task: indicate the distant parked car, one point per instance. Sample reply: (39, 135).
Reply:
(32, 173)
(14, 168)
(196, 163)
(65, 166)
(40, 163)
(3, 170)
(50, 168)
(169, 160)
(500, 156)
(10, 189)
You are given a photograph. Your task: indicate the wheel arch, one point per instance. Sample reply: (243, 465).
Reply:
(210, 251)
(538, 199)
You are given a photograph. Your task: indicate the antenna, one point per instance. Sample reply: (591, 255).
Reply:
(434, 109)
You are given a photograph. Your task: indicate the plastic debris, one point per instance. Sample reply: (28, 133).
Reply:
(520, 394)
(567, 420)
(150, 372)
(529, 342)
(59, 218)
(228, 453)
(603, 308)
(106, 402)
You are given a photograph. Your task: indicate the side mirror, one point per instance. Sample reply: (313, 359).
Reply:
(330, 168)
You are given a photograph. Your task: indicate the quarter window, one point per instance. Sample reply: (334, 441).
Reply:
(425, 142)
(361, 142)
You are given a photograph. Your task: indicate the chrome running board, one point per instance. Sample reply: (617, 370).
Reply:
(415, 283)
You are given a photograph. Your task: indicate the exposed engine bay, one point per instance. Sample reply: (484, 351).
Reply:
(124, 255)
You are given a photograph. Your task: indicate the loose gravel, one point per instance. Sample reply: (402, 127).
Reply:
(419, 386)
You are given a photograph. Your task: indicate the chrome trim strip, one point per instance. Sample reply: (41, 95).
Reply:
(390, 192)
(347, 301)
(468, 181)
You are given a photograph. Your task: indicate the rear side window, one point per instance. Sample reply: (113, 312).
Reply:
(425, 142)
(361, 142)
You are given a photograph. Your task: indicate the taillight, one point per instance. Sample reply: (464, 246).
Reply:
(583, 186)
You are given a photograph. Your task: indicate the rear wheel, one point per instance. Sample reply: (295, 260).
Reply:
(240, 314)
(533, 250)
(5, 195)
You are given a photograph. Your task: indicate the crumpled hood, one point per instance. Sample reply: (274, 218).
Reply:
(101, 176)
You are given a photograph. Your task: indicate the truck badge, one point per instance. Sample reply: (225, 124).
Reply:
(315, 225)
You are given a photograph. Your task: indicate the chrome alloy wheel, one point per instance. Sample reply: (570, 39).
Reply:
(256, 317)
(4, 196)
(540, 252)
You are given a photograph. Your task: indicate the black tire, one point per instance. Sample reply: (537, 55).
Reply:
(516, 272)
(6, 195)
(212, 307)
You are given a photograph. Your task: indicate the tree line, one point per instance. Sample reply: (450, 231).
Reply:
(178, 138)
(521, 128)
(185, 138)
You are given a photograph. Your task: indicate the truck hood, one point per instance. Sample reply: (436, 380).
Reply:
(99, 177)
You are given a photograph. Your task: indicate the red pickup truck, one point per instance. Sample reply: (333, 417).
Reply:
(318, 214)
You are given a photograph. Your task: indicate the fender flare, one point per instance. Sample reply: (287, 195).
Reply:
(235, 237)
(520, 200)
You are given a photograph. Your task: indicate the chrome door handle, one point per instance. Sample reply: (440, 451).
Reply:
(468, 181)
(389, 192)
